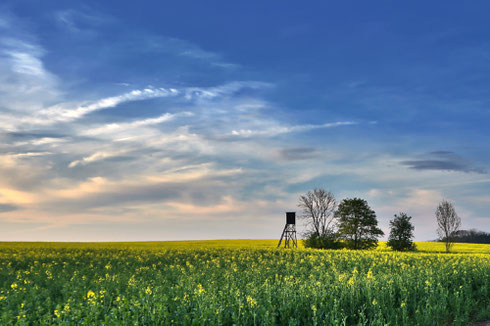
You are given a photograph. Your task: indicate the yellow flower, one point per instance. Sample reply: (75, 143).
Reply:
(351, 281)
(90, 294)
(251, 301)
(342, 277)
(13, 286)
(200, 289)
(132, 281)
(403, 304)
(148, 290)
(369, 274)
(57, 313)
(374, 302)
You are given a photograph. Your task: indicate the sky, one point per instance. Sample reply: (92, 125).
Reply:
(159, 120)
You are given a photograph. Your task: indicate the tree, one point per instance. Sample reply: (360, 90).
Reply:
(401, 233)
(448, 222)
(318, 210)
(358, 224)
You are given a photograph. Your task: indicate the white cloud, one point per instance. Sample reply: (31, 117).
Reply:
(26, 63)
(97, 156)
(277, 130)
(47, 141)
(25, 84)
(30, 154)
(111, 128)
(65, 113)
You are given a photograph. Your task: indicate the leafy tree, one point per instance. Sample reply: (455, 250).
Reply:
(358, 224)
(448, 222)
(401, 233)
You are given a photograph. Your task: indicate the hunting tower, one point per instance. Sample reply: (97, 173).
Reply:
(289, 232)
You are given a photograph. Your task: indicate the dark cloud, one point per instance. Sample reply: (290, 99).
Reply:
(298, 153)
(7, 208)
(444, 161)
(33, 134)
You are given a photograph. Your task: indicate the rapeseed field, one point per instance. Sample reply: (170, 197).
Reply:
(242, 282)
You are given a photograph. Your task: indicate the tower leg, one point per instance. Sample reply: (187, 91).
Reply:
(289, 236)
(282, 235)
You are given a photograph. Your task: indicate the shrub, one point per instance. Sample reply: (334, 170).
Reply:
(316, 241)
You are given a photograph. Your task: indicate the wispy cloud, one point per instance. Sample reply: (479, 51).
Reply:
(25, 84)
(97, 156)
(65, 113)
(78, 21)
(28, 154)
(68, 112)
(111, 128)
(26, 63)
(190, 50)
(278, 130)
(230, 88)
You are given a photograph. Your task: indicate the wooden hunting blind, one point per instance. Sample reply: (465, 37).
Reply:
(289, 232)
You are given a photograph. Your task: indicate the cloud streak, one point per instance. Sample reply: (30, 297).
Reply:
(443, 161)
(65, 113)
(278, 130)
(117, 127)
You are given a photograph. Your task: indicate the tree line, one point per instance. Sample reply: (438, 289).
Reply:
(353, 224)
(470, 236)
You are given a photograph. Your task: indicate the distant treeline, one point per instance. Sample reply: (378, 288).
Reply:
(470, 236)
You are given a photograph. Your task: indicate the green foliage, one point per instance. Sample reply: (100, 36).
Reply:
(316, 241)
(357, 224)
(401, 233)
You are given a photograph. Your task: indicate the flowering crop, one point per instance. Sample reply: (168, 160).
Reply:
(182, 283)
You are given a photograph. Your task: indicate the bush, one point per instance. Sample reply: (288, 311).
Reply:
(316, 241)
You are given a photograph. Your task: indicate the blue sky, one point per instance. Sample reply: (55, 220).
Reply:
(205, 120)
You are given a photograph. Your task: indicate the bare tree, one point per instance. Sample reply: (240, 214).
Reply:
(318, 210)
(448, 222)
